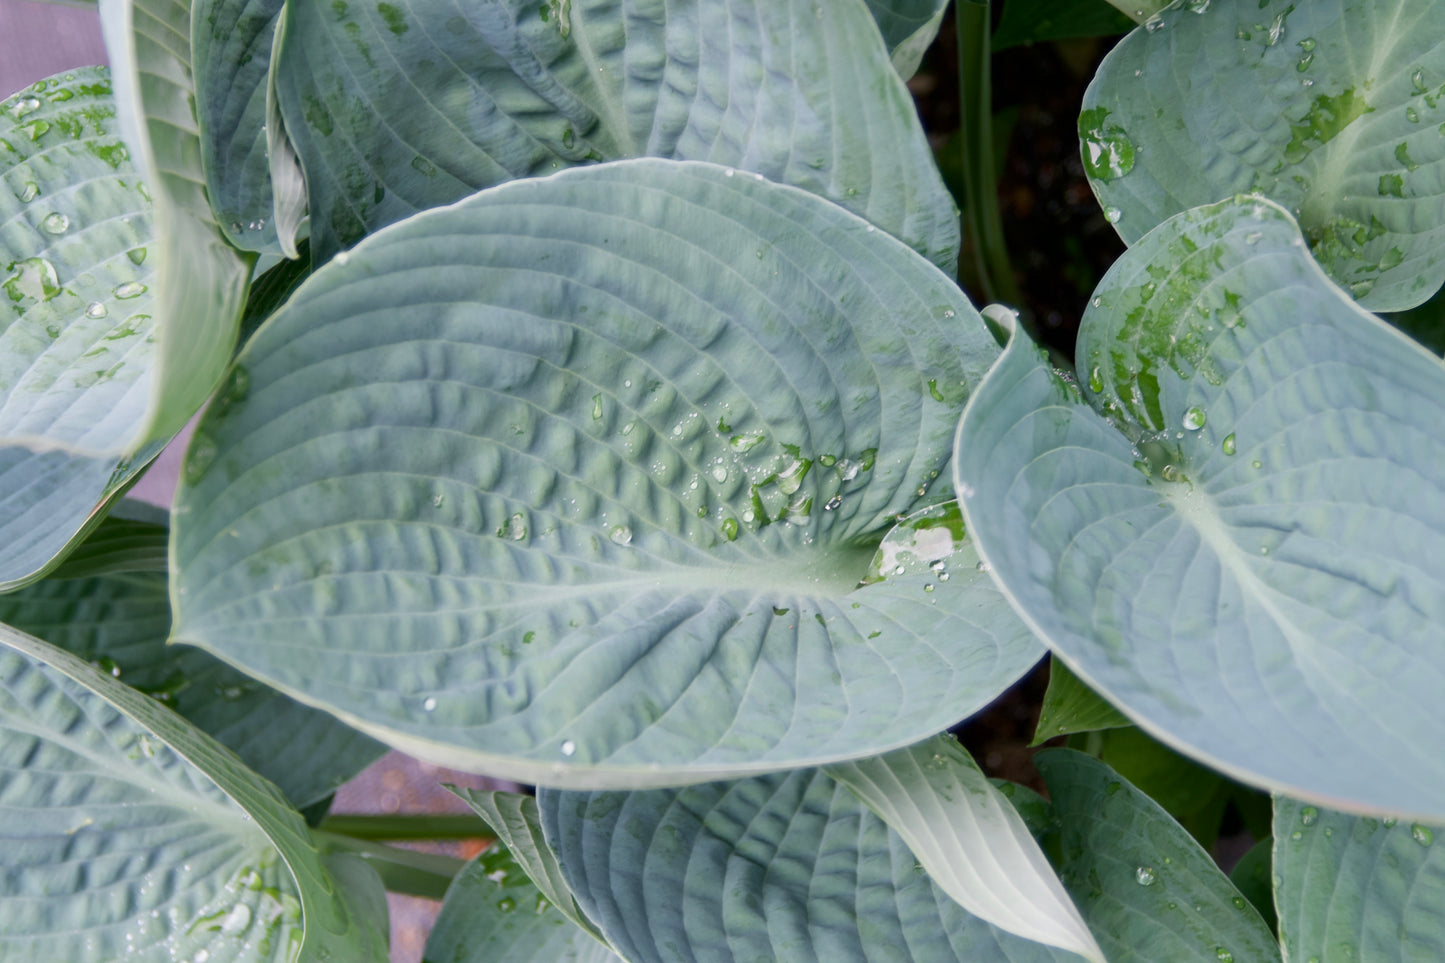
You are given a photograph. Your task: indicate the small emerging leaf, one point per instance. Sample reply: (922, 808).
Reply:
(1071, 706)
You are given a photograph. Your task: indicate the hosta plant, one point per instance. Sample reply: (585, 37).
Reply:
(589, 402)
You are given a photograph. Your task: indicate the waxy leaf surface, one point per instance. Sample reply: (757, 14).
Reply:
(131, 835)
(1333, 108)
(76, 327)
(576, 481)
(1147, 889)
(1235, 539)
(1357, 887)
(791, 866)
(398, 107)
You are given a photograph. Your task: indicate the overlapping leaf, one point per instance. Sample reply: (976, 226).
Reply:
(130, 834)
(199, 285)
(1239, 536)
(1147, 889)
(909, 28)
(972, 843)
(232, 65)
(76, 327)
(120, 621)
(784, 867)
(577, 480)
(1071, 706)
(1333, 108)
(398, 107)
(1355, 887)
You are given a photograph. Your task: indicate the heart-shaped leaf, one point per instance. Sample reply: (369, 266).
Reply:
(75, 317)
(493, 913)
(1356, 887)
(969, 839)
(1332, 108)
(130, 834)
(199, 286)
(1148, 890)
(791, 866)
(576, 481)
(1239, 536)
(120, 621)
(397, 107)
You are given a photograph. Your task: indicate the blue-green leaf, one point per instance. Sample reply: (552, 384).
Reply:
(1147, 889)
(398, 107)
(119, 620)
(76, 327)
(1356, 887)
(1071, 706)
(968, 838)
(1237, 533)
(494, 913)
(577, 481)
(909, 28)
(790, 866)
(1333, 108)
(199, 286)
(131, 834)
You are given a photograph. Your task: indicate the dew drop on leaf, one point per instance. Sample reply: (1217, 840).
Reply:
(1422, 834)
(1228, 446)
(1194, 418)
(55, 223)
(1145, 875)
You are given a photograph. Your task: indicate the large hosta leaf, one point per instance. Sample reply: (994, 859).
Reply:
(1356, 887)
(76, 330)
(969, 839)
(397, 107)
(199, 285)
(1148, 890)
(1248, 542)
(232, 64)
(130, 834)
(790, 866)
(576, 481)
(494, 914)
(120, 621)
(1333, 108)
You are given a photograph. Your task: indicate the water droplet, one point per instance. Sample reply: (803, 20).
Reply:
(1227, 446)
(568, 747)
(1154, 24)
(1239, 903)
(514, 528)
(130, 289)
(597, 407)
(137, 255)
(833, 502)
(1422, 834)
(1171, 473)
(1389, 822)
(1194, 418)
(928, 587)
(1223, 955)
(28, 193)
(429, 704)
(96, 310)
(55, 223)
(1418, 80)
(1412, 115)
(506, 904)
(1113, 215)
(34, 278)
(1257, 463)
(719, 473)
(1107, 150)
(1308, 815)
(26, 105)
(1307, 44)
(237, 920)
(983, 566)
(437, 499)
(1145, 875)
(621, 535)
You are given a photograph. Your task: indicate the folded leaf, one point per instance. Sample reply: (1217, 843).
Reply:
(909, 28)
(970, 840)
(131, 834)
(1355, 887)
(790, 866)
(1332, 108)
(398, 107)
(1237, 535)
(1071, 706)
(576, 482)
